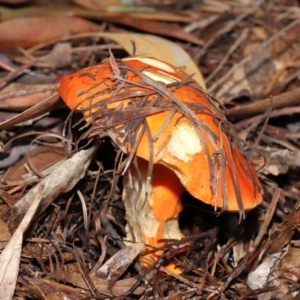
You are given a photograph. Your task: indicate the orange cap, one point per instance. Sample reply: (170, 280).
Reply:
(186, 130)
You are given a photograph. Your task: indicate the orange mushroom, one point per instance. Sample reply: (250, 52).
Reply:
(178, 134)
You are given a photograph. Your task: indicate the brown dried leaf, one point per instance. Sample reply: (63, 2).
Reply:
(59, 181)
(37, 249)
(98, 4)
(27, 32)
(51, 290)
(20, 96)
(277, 161)
(37, 110)
(281, 234)
(259, 70)
(157, 27)
(39, 11)
(287, 270)
(60, 61)
(120, 288)
(251, 78)
(13, 1)
(265, 63)
(40, 158)
(7, 198)
(4, 234)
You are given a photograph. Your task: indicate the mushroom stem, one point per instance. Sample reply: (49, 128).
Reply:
(153, 217)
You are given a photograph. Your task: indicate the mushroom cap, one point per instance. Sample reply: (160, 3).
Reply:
(159, 111)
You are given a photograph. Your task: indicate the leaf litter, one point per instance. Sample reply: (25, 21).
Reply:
(248, 55)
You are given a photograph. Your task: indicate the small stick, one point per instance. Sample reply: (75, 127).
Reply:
(285, 99)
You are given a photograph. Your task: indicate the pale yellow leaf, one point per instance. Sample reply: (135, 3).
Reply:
(157, 47)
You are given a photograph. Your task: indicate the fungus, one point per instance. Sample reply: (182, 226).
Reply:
(176, 138)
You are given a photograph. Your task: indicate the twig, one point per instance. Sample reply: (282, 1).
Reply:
(203, 23)
(275, 113)
(268, 218)
(286, 99)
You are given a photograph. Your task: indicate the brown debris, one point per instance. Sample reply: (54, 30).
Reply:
(72, 246)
